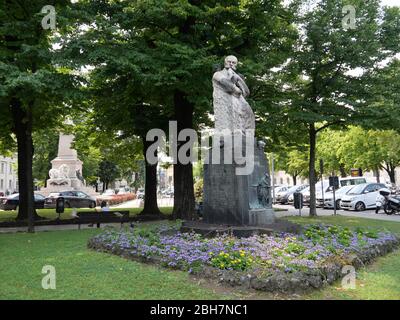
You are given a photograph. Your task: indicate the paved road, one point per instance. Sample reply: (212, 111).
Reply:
(369, 214)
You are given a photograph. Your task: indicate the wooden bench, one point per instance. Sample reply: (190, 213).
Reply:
(83, 217)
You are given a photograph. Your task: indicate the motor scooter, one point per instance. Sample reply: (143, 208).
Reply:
(391, 204)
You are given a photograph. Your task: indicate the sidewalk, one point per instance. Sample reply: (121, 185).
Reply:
(368, 214)
(291, 211)
(164, 202)
(58, 227)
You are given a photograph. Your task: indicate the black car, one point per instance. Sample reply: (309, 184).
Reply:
(72, 199)
(12, 202)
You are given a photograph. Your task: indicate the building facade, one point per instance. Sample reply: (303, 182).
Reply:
(8, 175)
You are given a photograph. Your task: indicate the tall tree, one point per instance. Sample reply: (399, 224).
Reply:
(294, 162)
(328, 90)
(108, 172)
(34, 93)
(161, 55)
(371, 150)
(185, 39)
(328, 147)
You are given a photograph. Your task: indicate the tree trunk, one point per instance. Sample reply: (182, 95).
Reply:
(390, 169)
(150, 185)
(342, 171)
(23, 130)
(136, 179)
(294, 177)
(392, 174)
(183, 174)
(378, 175)
(313, 138)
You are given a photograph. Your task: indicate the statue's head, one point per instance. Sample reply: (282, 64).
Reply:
(231, 62)
(261, 144)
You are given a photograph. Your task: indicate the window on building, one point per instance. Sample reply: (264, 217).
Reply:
(281, 180)
(274, 181)
(1, 184)
(2, 167)
(10, 184)
(288, 180)
(11, 170)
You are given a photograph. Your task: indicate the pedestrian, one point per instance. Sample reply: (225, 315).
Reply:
(104, 206)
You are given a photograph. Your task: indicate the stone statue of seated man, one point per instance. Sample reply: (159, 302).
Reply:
(231, 109)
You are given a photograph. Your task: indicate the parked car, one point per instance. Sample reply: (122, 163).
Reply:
(12, 202)
(361, 197)
(121, 191)
(306, 196)
(72, 199)
(280, 189)
(318, 192)
(279, 192)
(168, 193)
(352, 181)
(327, 202)
(108, 192)
(140, 193)
(283, 198)
(343, 182)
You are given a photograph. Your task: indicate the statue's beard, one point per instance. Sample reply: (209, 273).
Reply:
(231, 72)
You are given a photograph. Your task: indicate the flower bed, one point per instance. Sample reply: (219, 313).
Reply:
(115, 199)
(283, 262)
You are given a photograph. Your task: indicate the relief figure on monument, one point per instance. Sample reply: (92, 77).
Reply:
(60, 176)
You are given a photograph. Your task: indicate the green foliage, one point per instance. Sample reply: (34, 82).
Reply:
(325, 234)
(361, 148)
(46, 146)
(321, 88)
(295, 248)
(107, 172)
(27, 72)
(198, 170)
(292, 161)
(198, 190)
(235, 260)
(328, 149)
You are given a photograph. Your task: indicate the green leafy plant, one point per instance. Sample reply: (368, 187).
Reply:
(236, 260)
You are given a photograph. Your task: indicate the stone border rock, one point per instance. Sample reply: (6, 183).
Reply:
(279, 281)
(300, 282)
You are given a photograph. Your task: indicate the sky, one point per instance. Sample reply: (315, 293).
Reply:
(383, 2)
(390, 2)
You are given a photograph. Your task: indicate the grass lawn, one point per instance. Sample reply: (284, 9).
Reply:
(85, 274)
(51, 213)
(381, 280)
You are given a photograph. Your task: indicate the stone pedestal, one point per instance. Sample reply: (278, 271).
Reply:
(66, 172)
(241, 200)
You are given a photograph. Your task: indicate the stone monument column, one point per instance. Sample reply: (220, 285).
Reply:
(231, 198)
(66, 171)
(67, 156)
